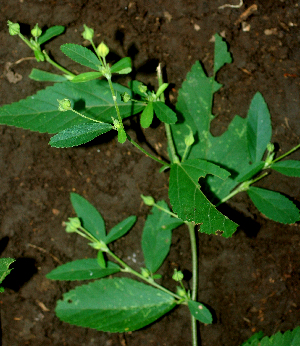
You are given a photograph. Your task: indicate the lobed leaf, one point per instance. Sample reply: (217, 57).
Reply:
(40, 112)
(287, 167)
(79, 134)
(222, 55)
(82, 55)
(189, 202)
(4, 267)
(43, 76)
(274, 205)
(259, 129)
(51, 32)
(120, 229)
(157, 235)
(200, 312)
(114, 305)
(91, 219)
(82, 269)
(164, 113)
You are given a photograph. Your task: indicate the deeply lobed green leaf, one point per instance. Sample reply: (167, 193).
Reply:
(114, 305)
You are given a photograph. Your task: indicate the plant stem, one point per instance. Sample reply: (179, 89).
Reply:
(53, 63)
(165, 210)
(146, 152)
(150, 282)
(84, 116)
(174, 158)
(191, 228)
(286, 154)
(115, 102)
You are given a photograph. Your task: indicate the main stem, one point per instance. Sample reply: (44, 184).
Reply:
(191, 228)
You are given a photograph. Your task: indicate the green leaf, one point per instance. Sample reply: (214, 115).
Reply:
(222, 55)
(189, 202)
(274, 205)
(120, 229)
(134, 86)
(91, 219)
(289, 338)
(147, 115)
(51, 32)
(82, 55)
(83, 269)
(259, 129)
(123, 66)
(114, 305)
(101, 260)
(4, 265)
(249, 171)
(43, 76)
(200, 312)
(79, 134)
(157, 235)
(40, 112)
(287, 167)
(85, 77)
(164, 113)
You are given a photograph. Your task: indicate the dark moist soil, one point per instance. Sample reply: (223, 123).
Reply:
(251, 281)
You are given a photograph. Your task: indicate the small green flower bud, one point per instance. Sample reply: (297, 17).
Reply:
(36, 31)
(270, 147)
(88, 33)
(142, 88)
(125, 97)
(13, 28)
(100, 245)
(178, 275)
(64, 105)
(180, 291)
(72, 225)
(145, 272)
(189, 139)
(102, 50)
(148, 200)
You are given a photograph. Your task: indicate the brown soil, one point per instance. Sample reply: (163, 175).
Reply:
(252, 280)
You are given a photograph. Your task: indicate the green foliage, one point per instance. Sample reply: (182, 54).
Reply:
(83, 269)
(289, 338)
(274, 205)
(43, 76)
(50, 33)
(287, 167)
(200, 312)
(190, 203)
(4, 269)
(79, 134)
(40, 111)
(81, 55)
(124, 305)
(157, 234)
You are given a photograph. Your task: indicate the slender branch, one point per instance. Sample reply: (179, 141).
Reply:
(286, 154)
(146, 152)
(150, 282)
(53, 63)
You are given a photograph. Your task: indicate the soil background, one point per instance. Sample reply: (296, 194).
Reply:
(250, 281)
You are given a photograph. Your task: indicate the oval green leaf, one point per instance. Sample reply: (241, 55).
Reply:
(120, 229)
(79, 134)
(164, 113)
(85, 77)
(114, 305)
(43, 76)
(200, 312)
(274, 205)
(51, 32)
(123, 66)
(288, 167)
(82, 269)
(147, 115)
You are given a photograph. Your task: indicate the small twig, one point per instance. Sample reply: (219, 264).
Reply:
(246, 14)
(23, 59)
(45, 251)
(232, 6)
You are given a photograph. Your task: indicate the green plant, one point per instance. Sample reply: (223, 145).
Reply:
(225, 165)
(4, 269)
